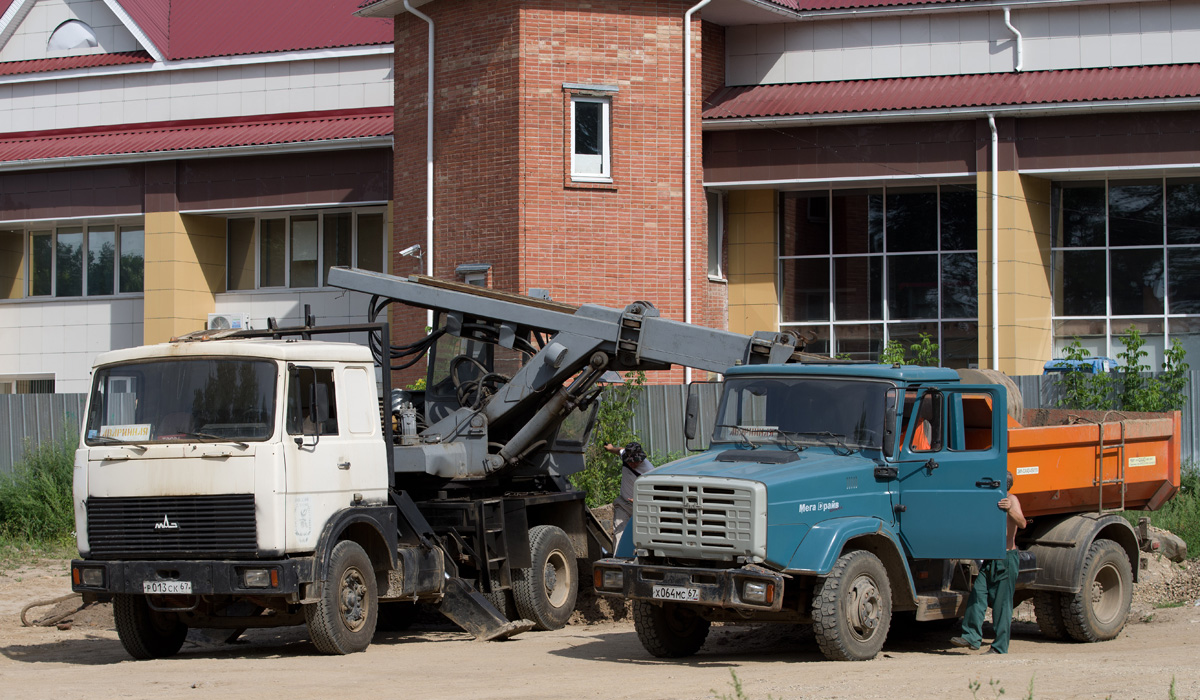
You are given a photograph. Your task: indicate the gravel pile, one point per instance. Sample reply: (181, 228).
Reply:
(1162, 581)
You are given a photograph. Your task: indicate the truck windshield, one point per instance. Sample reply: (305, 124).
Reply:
(192, 400)
(803, 411)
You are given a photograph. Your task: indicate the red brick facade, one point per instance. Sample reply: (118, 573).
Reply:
(503, 192)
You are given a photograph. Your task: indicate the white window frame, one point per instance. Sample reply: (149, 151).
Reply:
(715, 201)
(605, 157)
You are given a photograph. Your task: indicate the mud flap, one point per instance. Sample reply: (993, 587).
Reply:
(471, 611)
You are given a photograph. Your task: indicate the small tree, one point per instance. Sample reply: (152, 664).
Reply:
(1084, 391)
(1130, 387)
(601, 478)
(924, 353)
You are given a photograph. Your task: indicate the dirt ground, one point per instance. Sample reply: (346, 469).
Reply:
(600, 660)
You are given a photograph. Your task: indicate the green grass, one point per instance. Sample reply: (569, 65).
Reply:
(35, 499)
(1181, 514)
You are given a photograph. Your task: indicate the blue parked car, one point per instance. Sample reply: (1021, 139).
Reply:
(1092, 365)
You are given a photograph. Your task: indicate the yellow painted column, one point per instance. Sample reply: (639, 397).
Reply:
(12, 271)
(185, 270)
(753, 266)
(1025, 273)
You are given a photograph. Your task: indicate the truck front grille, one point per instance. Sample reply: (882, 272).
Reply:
(197, 526)
(700, 517)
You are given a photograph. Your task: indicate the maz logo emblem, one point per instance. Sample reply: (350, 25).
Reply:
(166, 524)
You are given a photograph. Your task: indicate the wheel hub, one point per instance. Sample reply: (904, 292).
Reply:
(864, 606)
(354, 600)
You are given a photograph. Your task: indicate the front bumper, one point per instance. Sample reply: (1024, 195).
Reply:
(714, 588)
(226, 577)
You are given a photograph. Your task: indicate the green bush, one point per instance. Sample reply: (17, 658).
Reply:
(1130, 387)
(1181, 514)
(601, 478)
(35, 499)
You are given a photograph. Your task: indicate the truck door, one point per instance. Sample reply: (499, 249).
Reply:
(951, 473)
(328, 448)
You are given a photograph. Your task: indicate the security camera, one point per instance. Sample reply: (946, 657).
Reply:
(414, 249)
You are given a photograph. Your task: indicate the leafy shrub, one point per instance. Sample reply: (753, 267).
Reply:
(601, 478)
(35, 499)
(1130, 387)
(1181, 514)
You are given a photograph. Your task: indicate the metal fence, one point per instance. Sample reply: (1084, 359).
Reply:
(658, 420)
(32, 419)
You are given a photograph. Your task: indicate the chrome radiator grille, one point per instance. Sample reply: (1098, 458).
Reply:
(700, 517)
(161, 527)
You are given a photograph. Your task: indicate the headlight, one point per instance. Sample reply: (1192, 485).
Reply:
(260, 578)
(613, 578)
(758, 592)
(91, 576)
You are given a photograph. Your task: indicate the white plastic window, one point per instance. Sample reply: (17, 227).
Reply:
(590, 139)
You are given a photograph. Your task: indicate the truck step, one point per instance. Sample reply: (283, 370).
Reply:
(941, 605)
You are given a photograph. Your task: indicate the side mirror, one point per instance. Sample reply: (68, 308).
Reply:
(691, 416)
(889, 423)
(320, 401)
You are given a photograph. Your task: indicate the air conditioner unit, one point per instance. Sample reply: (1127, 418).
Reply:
(228, 321)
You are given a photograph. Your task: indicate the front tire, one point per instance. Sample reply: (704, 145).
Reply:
(545, 593)
(343, 620)
(146, 633)
(1098, 611)
(852, 608)
(669, 630)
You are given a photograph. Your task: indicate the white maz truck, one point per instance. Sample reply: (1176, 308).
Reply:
(239, 479)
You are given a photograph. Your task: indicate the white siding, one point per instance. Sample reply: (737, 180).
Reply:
(28, 41)
(146, 95)
(61, 337)
(954, 43)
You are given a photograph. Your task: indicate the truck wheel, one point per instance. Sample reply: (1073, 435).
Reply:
(669, 630)
(1048, 607)
(852, 608)
(146, 633)
(504, 602)
(545, 593)
(343, 620)
(1098, 611)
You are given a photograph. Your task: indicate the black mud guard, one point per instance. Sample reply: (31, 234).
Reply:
(373, 527)
(1060, 544)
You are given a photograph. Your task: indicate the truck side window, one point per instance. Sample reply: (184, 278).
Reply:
(302, 415)
(927, 431)
(976, 422)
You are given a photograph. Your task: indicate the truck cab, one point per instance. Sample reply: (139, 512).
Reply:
(208, 474)
(841, 478)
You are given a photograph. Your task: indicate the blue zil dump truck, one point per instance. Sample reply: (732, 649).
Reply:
(840, 495)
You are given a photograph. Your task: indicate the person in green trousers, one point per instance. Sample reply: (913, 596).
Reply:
(994, 586)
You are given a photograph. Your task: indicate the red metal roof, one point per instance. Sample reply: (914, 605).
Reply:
(197, 135)
(45, 65)
(815, 5)
(181, 29)
(203, 28)
(955, 91)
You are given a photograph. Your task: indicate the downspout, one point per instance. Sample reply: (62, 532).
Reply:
(1008, 23)
(428, 150)
(687, 169)
(995, 248)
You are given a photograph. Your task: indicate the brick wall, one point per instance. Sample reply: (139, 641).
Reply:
(501, 160)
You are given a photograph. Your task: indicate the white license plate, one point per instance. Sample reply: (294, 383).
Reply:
(675, 593)
(166, 587)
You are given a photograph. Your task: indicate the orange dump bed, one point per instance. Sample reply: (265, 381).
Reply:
(1068, 461)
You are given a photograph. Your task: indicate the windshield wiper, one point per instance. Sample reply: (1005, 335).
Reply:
(210, 436)
(743, 431)
(838, 438)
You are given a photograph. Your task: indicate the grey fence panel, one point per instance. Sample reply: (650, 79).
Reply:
(658, 418)
(33, 419)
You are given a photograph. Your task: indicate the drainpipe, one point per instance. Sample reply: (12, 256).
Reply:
(1008, 23)
(995, 249)
(428, 151)
(687, 169)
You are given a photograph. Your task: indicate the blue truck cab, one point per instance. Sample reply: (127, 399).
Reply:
(834, 495)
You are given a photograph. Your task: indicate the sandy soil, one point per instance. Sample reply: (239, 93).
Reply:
(601, 660)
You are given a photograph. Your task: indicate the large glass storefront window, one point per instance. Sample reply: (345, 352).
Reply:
(1127, 253)
(861, 267)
